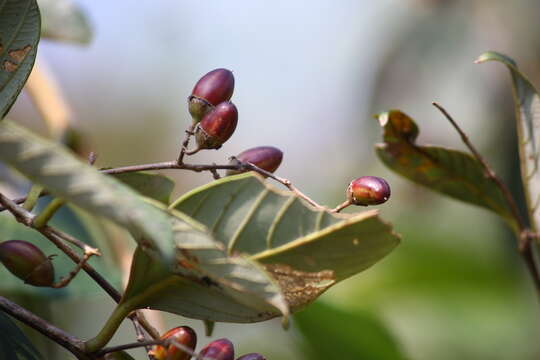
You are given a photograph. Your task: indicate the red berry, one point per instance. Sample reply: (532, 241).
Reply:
(251, 356)
(212, 89)
(265, 157)
(368, 190)
(221, 349)
(217, 126)
(183, 335)
(27, 262)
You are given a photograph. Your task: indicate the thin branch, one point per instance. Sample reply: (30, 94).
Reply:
(341, 206)
(524, 236)
(112, 349)
(66, 280)
(185, 143)
(67, 341)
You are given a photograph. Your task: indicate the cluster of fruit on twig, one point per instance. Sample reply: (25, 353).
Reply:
(183, 340)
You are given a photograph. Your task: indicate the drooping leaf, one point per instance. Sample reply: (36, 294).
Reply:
(304, 249)
(332, 333)
(205, 282)
(71, 222)
(19, 36)
(64, 20)
(62, 174)
(14, 345)
(157, 187)
(527, 102)
(451, 172)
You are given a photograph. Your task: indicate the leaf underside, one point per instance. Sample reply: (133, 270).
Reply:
(62, 174)
(451, 172)
(204, 282)
(304, 249)
(20, 27)
(527, 103)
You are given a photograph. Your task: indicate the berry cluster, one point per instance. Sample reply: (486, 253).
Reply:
(181, 345)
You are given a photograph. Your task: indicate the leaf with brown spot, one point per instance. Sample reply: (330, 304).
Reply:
(451, 172)
(287, 235)
(20, 26)
(19, 54)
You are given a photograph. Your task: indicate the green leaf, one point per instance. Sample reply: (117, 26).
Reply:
(332, 333)
(19, 36)
(64, 20)
(13, 343)
(451, 172)
(527, 104)
(306, 250)
(157, 187)
(60, 172)
(205, 282)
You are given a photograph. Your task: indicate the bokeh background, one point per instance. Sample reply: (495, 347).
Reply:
(309, 77)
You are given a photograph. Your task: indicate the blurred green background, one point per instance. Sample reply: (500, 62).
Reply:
(309, 77)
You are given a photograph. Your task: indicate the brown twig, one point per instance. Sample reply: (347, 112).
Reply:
(185, 143)
(524, 236)
(112, 349)
(67, 341)
(66, 280)
(341, 206)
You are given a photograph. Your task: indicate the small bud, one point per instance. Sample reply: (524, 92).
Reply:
(221, 349)
(265, 157)
(217, 126)
(27, 262)
(251, 356)
(183, 335)
(212, 89)
(368, 190)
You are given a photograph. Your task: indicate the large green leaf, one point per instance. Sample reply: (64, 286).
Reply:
(205, 282)
(451, 172)
(61, 173)
(20, 26)
(332, 333)
(305, 249)
(13, 343)
(527, 104)
(64, 20)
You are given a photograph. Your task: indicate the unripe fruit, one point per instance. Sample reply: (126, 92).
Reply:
(212, 89)
(221, 349)
(217, 126)
(27, 262)
(265, 157)
(368, 190)
(251, 356)
(181, 334)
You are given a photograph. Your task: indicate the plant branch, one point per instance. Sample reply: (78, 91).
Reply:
(524, 236)
(134, 345)
(67, 341)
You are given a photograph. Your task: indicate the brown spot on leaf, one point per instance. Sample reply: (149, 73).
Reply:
(19, 54)
(190, 257)
(9, 66)
(300, 288)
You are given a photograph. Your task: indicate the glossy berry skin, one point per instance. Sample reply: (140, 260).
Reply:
(212, 89)
(217, 126)
(265, 157)
(221, 349)
(368, 190)
(252, 356)
(27, 262)
(183, 335)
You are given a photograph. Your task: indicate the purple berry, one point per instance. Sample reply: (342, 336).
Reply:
(368, 190)
(265, 157)
(221, 349)
(27, 262)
